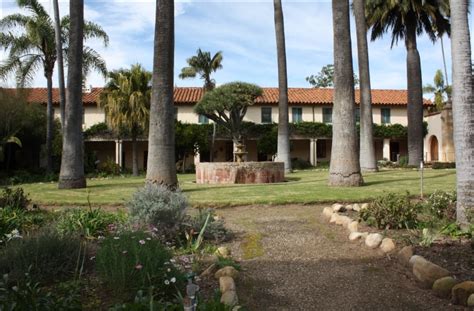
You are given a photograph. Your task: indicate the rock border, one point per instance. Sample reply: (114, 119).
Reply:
(429, 275)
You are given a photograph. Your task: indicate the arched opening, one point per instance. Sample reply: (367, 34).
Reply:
(434, 149)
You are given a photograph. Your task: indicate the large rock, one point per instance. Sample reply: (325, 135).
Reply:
(334, 218)
(461, 292)
(223, 252)
(227, 271)
(229, 298)
(356, 207)
(364, 206)
(373, 240)
(226, 283)
(387, 245)
(348, 207)
(343, 221)
(327, 212)
(353, 226)
(405, 254)
(357, 235)
(442, 287)
(470, 301)
(427, 272)
(414, 259)
(336, 207)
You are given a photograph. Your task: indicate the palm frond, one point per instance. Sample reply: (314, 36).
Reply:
(93, 30)
(14, 20)
(93, 61)
(33, 6)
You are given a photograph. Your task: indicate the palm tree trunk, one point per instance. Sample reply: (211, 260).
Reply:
(463, 111)
(71, 175)
(283, 146)
(415, 96)
(59, 56)
(344, 168)
(367, 151)
(134, 155)
(49, 124)
(161, 143)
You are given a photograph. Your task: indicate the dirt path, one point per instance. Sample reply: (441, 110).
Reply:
(293, 260)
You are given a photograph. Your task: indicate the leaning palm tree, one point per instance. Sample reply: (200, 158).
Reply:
(203, 65)
(367, 151)
(283, 145)
(406, 19)
(161, 167)
(126, 103)
(34, 47)
(463, 111)
(344, 167)
(71, 175)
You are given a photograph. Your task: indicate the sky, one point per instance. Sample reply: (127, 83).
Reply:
(244, 32)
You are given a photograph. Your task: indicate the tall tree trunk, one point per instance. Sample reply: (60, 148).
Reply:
(367, 151)
(344, 168)
(463, 111)
(161, 143)
(59, 57)
(415, 96)
(49, 124)
(283, 146)
(134, 155)
(71, 175)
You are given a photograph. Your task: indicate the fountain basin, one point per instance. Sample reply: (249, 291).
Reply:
(240, 173)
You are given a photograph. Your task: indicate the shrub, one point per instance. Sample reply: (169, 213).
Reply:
(215, 229)
(14, 198)
(46, 256)
(109, 167)
(135, 260)
(299, 164)
(158, 206)
(391, 211)
(443, 165)
(403, 161)
(22, 220)
(442, 204)
(88, 222)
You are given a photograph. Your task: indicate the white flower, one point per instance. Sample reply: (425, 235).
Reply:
(169, 270)
(173, 280)
(116, 238)
(142, 242)
(167, 282)
(148, 239)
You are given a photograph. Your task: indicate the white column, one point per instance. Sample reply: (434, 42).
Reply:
(386, 148)
(118, 152)
(197, 158)
(313, 151)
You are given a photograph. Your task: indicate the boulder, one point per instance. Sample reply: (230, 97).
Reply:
(373, 240)
(348, 207)
(462, 292)
(364, 206)
(229, 298)
(343, 221)
(334, 218)
(357, 235)
(387, 245)
(338, 207)
(227, 271)
(353, 226)
(226, 283)
(470, 301)
(405, 254)
(414, 259)
(356, 207)
(223, 252)
(442, 287)
(427, 272)
(327, 212)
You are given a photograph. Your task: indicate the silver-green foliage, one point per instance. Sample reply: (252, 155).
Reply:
(158, 206)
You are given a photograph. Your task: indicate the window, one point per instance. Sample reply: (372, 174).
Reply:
(203, 119)
(327, 115)
(385, 113)
(266, 114)
(297, 114)
(357, 115)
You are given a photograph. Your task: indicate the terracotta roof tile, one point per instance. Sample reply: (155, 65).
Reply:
(296, 96)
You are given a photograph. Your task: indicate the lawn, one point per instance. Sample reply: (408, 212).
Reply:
(302, 187)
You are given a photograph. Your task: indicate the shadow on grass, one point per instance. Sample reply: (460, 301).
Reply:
(388, 181)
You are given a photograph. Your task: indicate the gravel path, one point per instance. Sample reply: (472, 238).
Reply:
(293, 260)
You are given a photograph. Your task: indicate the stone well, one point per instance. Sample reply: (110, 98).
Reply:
(239, 173)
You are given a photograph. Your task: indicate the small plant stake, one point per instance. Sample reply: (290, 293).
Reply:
(421, 180)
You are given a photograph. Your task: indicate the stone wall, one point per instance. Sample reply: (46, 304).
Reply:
(240, 173)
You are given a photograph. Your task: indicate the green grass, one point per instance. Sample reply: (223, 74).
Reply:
(302, 187)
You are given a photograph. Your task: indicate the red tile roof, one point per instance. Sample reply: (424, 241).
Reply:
(296, 96)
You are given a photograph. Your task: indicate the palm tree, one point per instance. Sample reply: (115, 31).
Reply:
(161, 167)
(441, 91)
(406, 19)
(283, 146)
(71, 175)
(367, 151)
(59, 53)
(126, 103)
(344, 167)
(35, 47)
(463, 111)
(203, 65)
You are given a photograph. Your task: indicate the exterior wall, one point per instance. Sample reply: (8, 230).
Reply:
(397, 115)
(92, 115)
(186, 114)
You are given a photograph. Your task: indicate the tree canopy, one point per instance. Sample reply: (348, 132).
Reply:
(325, 78)
(441, 91)
(203, 65)
(227, 105)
